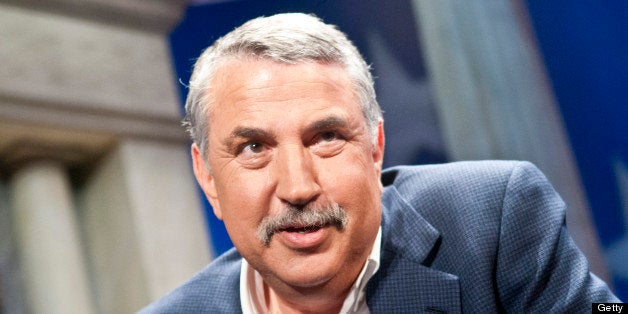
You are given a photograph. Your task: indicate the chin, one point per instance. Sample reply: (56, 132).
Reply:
(307, 272)
(307, 281)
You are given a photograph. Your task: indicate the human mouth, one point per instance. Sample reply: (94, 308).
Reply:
(302, 224)
(302, 230)
(302, 237)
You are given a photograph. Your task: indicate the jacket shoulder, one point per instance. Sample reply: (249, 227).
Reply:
(468, 178)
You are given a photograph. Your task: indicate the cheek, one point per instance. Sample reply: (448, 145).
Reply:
(353, 181)
(244, 200)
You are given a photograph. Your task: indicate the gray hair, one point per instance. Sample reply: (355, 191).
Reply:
(287, 38)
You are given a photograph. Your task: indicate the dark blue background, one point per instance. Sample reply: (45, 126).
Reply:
(585, 47)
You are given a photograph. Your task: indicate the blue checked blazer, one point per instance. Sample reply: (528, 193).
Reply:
(475, 237)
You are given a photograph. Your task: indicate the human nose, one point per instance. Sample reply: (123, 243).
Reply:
(296, 176)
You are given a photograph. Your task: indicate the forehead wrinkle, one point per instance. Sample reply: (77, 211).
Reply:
(266, 79)
(280, 92)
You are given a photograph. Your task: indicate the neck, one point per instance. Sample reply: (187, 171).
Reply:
(310, 300)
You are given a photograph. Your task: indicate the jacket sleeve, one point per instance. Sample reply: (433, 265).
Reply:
(539, 268)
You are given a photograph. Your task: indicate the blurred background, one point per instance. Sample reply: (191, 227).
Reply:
(99, 210)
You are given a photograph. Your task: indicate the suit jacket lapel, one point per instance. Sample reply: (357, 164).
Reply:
(405, 282)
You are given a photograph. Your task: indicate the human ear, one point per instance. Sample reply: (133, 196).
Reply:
(378, 149)
(205, 179)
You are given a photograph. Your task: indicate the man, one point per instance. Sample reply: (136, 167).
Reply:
(288, 147)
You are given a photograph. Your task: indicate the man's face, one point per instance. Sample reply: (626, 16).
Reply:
(292, 135)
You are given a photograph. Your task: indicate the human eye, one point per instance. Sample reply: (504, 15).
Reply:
(252, 148)
(253, 154)
(328, 143)
(328, 136)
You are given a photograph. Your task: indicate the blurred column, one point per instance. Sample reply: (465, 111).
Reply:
(143, 225)
(93, 81)
(50, 248)
(495, 101)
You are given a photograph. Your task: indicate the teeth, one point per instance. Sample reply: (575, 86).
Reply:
(301, 230)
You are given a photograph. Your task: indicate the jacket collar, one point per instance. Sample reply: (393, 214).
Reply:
(405, 281)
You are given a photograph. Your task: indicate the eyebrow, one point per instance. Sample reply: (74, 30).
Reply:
(331, 122)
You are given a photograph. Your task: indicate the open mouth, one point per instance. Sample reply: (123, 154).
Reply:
(301, 230)
(302, 237)
(302, 225)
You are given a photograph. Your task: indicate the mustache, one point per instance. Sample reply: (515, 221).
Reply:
(310, 216)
